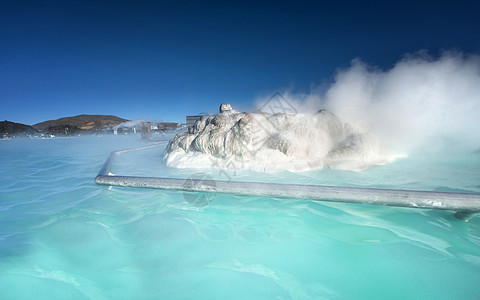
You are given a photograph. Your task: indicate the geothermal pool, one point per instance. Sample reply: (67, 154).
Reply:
(63, 236)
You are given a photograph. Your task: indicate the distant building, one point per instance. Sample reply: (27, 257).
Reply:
(190, 120)
(166, 125)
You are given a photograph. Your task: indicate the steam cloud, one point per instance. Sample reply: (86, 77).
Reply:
(421, 104)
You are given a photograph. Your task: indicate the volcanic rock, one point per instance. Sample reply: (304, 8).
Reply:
(268, 142)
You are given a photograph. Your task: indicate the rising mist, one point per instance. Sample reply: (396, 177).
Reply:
(421, 104)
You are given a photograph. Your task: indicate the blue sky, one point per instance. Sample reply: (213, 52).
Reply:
(161, 61)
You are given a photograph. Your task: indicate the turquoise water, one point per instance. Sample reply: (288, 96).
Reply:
(62, 236)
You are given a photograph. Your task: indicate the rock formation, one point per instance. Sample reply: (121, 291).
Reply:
(268, 142)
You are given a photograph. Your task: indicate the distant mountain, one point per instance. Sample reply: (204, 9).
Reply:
(82, 124)
(13, 129)
(79, 123)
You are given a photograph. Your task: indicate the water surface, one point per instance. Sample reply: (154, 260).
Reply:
(63, 236)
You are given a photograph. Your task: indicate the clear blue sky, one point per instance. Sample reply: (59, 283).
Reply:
(161, 61)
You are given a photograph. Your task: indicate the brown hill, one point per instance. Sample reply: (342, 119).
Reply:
(82, 122)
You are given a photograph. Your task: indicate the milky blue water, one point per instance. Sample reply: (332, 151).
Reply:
(62, 236)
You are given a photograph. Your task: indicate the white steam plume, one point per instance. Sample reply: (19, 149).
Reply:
(421, 104)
